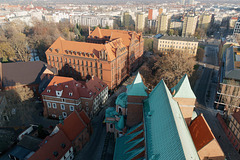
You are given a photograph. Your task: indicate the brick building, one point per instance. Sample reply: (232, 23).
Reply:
(56, 146)
(77, 128)
(155, 125)
(29, 74)
(63, 95)
(80, 59)
(132, 40)
(234, 127)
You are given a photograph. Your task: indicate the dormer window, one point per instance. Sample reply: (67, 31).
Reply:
(76, 85)
(70, 94)
(90, 93)
(48, 91)
(57, 50)
(59, 93)
(51, 49)
(66, 86)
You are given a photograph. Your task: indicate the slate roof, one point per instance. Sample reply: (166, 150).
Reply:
(230, 71)
(200, 131)
(20, 152)
(29, 142)
(72, 126)
(137, 88)
(167, 135)
(183, 89)
(50, 145)
(22, 72)
(176, 38)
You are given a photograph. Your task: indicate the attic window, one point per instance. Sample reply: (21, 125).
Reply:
(57, 50)
(51, 49)
(63, 145)
(97, 88)
(71, 51)
(48, 90)
(55, 153)
(67, 51)
(76, 84)
(70, 94)
(66, 86)
(90, 93)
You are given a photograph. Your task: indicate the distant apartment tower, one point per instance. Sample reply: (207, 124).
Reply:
(189, 25)
(205, 21)
(176, 24)
(182, 2)
(140, 21)
(232, 22)
(162, 23)
(190, 2)
(237, 27)
(152, 17)
(127, 19)
(92, 20)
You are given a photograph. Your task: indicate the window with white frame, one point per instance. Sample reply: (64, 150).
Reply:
(71, 108)
(64, 114)
(54, 105)
(62, 107)
(49, 104)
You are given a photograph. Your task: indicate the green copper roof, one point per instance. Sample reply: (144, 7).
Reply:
(183, 88)
(120, 123)
(137, 88)
(167, 135)
(122, 100)
(110, 112)
(124, 145)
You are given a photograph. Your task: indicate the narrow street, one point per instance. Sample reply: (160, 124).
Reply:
(205, 94)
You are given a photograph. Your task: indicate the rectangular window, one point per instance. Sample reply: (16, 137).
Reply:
(62, 107)
(69, 60)
(54, 105)
(49, 104)
(71, 108)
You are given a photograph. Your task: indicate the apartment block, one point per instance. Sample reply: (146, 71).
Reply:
(189, 25)
(92, 20)
(166, 44)
(237, 27)
(234, 127)
(140, 21)
(162, 23)
(204, 21)
(64, 95)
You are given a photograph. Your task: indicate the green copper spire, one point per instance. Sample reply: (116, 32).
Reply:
(137, 88)
(183, 89)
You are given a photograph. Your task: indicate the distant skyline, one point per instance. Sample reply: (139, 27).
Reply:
(106, 1)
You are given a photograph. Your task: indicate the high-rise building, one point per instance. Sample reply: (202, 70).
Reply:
(237, 27)
(205, 21)
(140, 21)
(191, 2)
(162, 23)
(189, 25)
(182, 2)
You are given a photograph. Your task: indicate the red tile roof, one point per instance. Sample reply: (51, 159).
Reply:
(200, 131)
(72, 126)
(150, 12)
(96, 85)
(236, 115)
(126, 36)
(84, 117)
(50, 145)
(67, 86)
(82, 49)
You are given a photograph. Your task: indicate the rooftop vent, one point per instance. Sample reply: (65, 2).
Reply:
(55, 153)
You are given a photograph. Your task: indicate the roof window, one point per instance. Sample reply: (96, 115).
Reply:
(63, 145)
(70, 93)
(66, 86)
(55, 153)
(48, 90)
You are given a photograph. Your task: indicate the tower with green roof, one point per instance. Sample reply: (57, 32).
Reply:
(183, 94)
(136, 93)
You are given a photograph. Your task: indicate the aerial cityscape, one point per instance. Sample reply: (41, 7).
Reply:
(119, 80)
